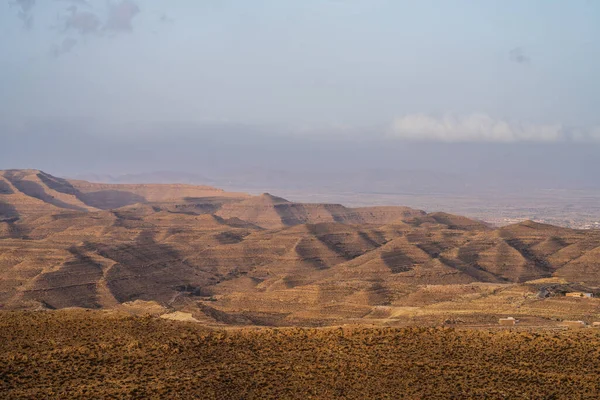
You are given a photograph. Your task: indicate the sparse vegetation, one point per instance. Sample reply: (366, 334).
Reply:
(79, 354)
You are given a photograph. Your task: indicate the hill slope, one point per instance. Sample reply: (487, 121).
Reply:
(236, 259)
(108, 355)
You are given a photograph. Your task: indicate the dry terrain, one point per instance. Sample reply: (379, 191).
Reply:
(569, 208)
(94, 354)
(236, 259)
(165, 291)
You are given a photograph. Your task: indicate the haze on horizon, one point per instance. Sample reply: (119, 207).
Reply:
(496, 89)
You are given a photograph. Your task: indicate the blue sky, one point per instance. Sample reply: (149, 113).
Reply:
(499, 71)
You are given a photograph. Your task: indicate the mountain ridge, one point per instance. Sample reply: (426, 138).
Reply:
(239, 259)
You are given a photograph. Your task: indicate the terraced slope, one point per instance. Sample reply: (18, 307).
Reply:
(29, 192)
(237, 259)
(33, 192)
(272, 212)
(109, 196)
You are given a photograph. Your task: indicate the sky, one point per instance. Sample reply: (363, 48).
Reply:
(497, 76)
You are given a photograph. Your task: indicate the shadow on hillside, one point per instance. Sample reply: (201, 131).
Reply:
(110, 199)
(36, 190)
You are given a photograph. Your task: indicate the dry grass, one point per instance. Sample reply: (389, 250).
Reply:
(79, 354)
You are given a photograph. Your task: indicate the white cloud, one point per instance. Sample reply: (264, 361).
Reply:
(472, 128)
(586, 135)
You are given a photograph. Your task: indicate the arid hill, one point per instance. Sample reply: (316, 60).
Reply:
(83, 355)
(231, 258)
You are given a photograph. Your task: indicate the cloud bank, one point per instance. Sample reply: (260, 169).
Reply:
(586, 135)
(472, 128)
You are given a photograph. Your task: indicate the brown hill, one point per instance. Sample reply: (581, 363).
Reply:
(107, 196)
(238, 259)
(274, 212)
(80, 354)
(33, 192)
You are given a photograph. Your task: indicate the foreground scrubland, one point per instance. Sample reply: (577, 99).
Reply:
(79, 354)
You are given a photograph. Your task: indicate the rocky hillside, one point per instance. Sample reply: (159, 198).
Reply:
(236, 259)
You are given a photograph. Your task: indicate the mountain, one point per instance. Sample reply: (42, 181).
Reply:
(148, 177)
(30, 192)
(232, 258)
(270, 211)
